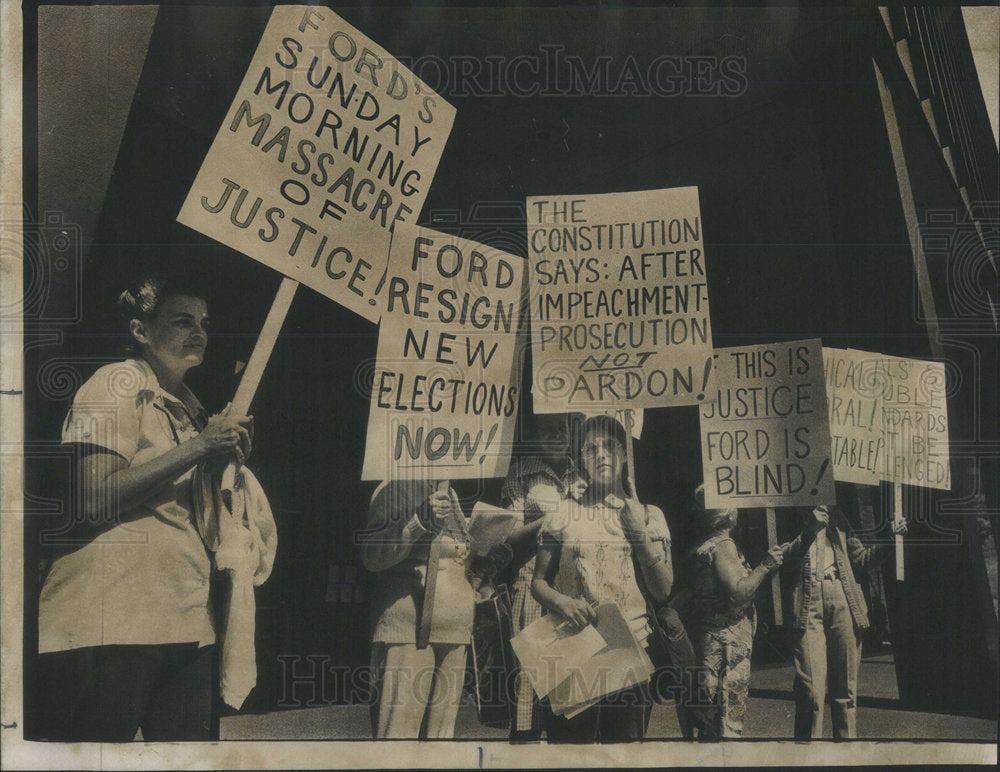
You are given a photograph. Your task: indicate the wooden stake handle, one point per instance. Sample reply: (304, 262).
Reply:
(263, 348)
(629, 451)
(897, 517)
(772, 541)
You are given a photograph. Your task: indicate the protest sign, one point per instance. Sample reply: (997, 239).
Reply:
(446, 383)
(854, 392)
(329, 143)
(888, 418)
(765, 434)
(619, 301)
(914, 420)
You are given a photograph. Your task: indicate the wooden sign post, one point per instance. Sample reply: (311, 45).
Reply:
(772, 541)
(629, 453)
(265, 345)
(897, 518)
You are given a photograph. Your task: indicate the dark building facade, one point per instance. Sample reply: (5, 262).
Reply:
(849, 191)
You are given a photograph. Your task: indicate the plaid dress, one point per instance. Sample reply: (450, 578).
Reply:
(523, 479)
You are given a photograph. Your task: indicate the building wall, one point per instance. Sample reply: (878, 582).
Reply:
(804, 237)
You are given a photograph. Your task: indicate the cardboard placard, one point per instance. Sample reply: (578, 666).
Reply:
(854, 394)
(329, 143)
(619, 301)
(914, 421)
(888, 418)
(447, 376)
(765, 435)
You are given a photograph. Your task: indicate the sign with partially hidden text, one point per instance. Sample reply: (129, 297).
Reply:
(765, 437)
(619, 301)
(447, 376)
(854, 392)
(329, 143)
(915, 422)
(888, 418)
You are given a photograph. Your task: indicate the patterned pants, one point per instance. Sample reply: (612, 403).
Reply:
(724, 654)
(529, 715)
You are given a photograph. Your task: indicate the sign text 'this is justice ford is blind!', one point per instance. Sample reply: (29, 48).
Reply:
(765, 437)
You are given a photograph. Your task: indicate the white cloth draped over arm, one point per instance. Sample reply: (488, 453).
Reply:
(234, 519)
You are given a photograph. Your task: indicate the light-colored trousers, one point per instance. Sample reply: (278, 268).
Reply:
(827, 656)
(418, 687)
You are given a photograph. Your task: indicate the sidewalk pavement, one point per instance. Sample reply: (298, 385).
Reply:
(769, 715)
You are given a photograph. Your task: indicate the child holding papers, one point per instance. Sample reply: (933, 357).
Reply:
(587, 556)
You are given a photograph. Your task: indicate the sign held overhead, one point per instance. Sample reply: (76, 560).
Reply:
(445, 388)
(328, 145)
(765, 437)
(619, 301)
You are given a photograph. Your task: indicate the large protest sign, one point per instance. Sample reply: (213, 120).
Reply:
(914, 420)
(854, 392)
(328, 144)
(619, 301)
(446, 384)
(888, 418)
(765, 435)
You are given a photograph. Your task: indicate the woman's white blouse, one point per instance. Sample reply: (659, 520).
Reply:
(145, 581)
(595, 559)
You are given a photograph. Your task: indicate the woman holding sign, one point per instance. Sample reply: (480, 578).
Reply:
(830, 617)
(126, 634)
(589, 553)
(721, 617)
(422, 607)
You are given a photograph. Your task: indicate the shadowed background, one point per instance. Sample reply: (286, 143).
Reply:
(803, 231)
